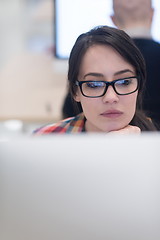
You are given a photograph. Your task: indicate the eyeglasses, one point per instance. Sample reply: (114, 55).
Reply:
(95, 89)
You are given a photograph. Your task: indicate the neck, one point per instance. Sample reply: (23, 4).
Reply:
(139, 32)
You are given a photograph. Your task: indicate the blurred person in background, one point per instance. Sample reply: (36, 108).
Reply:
(135, 17)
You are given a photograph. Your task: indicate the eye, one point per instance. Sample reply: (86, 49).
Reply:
(124, 82)
(94, 84)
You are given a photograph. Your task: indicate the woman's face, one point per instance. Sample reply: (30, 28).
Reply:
(111, 111)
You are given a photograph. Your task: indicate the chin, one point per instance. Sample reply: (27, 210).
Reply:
(115, 127)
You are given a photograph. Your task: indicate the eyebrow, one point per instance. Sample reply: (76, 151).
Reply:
(94, 74)
(123, 71)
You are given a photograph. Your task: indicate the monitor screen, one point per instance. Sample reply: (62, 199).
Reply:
(75, 17)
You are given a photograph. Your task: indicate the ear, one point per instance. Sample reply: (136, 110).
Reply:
(152, 14)
(77, 96)
(113, 18)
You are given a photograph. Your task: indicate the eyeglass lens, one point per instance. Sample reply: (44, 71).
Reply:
(98, 88)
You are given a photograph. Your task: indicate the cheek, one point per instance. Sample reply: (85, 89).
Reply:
(131, 101)
(90, 105)
(87, 103)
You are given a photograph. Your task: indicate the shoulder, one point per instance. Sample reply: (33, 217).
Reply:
(72, 124)
(147, 44)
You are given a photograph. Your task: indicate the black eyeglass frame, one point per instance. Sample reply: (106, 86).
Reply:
(79, 83)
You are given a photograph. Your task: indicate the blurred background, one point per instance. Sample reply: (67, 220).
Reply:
(32, 80)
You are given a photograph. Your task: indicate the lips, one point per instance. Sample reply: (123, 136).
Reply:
(112, 113)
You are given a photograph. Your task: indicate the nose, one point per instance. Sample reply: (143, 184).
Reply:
(110, 96)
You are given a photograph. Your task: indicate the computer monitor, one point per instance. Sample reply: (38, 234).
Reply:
(71, 18)
(88, 187)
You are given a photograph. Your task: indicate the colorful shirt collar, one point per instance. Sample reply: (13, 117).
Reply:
(70, 125)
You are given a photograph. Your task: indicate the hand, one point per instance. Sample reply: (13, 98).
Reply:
(129, 129)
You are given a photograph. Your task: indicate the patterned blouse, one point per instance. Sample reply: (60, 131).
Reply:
(70, 125)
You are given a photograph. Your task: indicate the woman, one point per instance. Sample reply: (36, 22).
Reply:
(106, 76)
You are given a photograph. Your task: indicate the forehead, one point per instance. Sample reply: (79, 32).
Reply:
(100, 53)
(104, 59)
